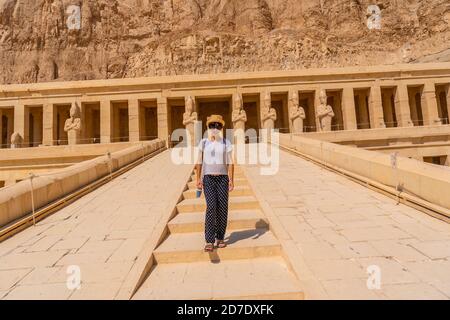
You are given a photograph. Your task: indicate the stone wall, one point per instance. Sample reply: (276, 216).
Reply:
(17, 164)
(384, 136)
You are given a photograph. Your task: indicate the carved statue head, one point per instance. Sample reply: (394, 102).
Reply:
(189, 104)
(238, 103)
(75, 110)
(323, 97)
(16, 138)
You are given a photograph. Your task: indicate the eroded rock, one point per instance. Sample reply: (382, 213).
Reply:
(48, 40)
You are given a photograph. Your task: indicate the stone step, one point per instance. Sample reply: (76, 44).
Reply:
(234, 203)
(238, 182)
(242, 244)
(262, 278)
(238, 219)
(237, 192)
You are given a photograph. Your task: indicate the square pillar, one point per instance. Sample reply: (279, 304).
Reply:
(402, 106)
(105, 121)
(291, 96)
(261, 107)
(348, 108)
(133, 117)
(19, 120)
(48, 124)
(429, 105)
(317, 103)
(376, 108)
(163, 118)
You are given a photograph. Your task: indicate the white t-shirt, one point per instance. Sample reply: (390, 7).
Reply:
(215, 161)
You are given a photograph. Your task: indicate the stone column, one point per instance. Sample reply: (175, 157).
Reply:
(105, 121)
(162, 115)
(316, 103)
(429, 105)
(348, 108)
(261, 106)
(414, 110)
(133, 117)
(289, 105)
(19, 120)
(402, 106)
(48, 124)
(376, 108)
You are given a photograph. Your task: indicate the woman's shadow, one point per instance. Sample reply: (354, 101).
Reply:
(236, 236)
(258, 231)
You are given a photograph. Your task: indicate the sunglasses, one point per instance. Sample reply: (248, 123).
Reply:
(215, 125)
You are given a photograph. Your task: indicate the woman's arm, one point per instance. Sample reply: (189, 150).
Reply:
(231, 169)
(198, 167)
(231, 176)
(198, 172)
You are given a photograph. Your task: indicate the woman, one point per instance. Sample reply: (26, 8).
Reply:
(215, 172)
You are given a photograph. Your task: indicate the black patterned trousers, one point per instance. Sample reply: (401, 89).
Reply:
(216, 194)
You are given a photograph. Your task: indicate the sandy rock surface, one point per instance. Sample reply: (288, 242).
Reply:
(48, 40)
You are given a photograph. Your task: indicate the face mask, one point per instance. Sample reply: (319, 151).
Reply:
(214, 132)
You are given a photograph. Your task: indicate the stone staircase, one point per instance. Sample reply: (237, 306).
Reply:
(250, 267)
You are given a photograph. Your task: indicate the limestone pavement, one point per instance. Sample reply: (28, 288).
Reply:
(333, 229)
(102, 233)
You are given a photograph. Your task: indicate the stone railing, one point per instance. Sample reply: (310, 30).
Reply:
(16, 202)
(384, 136)
(58, 154)
(421, 180)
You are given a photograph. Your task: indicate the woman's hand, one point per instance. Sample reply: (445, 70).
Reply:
(199, 184)
(231, 186)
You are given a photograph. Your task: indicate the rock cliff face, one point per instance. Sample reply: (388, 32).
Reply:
(46, 40)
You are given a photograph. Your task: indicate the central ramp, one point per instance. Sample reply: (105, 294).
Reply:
(250, 267)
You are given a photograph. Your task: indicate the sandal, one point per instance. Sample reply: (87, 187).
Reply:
(221, 244)
(209, 247)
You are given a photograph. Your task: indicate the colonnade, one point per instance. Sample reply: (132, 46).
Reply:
(134, 115)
